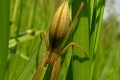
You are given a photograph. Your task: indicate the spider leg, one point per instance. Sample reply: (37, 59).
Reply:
(45, 37)
(75, 18)
(57, 4)
(74, 44)
(42, 63)
(56, 69)
(73, 22)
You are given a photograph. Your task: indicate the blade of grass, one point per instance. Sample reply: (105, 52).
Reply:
(4, 36)
(13, 42)
(26, 43)
(81, 65)
(106, 70)
(32, 14)
(29, 70)
(15, 14)
(95, 28)
(82, 36)
(65, 65)
(86, 34)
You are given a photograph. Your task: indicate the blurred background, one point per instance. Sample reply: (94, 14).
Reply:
(107, 65)
(34, 15)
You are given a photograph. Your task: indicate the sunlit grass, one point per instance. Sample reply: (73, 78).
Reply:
(34, 14)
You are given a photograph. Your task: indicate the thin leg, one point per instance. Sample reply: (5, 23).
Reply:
(55, 69)
(45, 36)
(73, 22)
(41, 66)
(75, 18)
(56, 5)
(74, 44)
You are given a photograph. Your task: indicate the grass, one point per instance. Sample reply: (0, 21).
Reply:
(87, 31)
(86, 35)
(4, 36)
(108, 51)
(37, 14)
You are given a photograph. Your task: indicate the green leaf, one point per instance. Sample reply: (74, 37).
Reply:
(86, 34)
(4, 36)
(106, 70)
(30, 69)
(81, 65)
(75, 66)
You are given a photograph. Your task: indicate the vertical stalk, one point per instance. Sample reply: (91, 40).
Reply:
(4, 36)
(81, 65)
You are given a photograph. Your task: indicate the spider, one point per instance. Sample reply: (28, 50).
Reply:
(59, 31)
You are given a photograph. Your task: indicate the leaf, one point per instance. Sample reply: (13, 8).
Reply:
(4, 36)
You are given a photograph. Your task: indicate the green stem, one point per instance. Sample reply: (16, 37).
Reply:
(4, 35)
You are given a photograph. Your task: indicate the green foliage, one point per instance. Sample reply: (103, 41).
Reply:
(4, 36)
(24, 15)
(27, 50)
(86, 35)
(108, 52)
